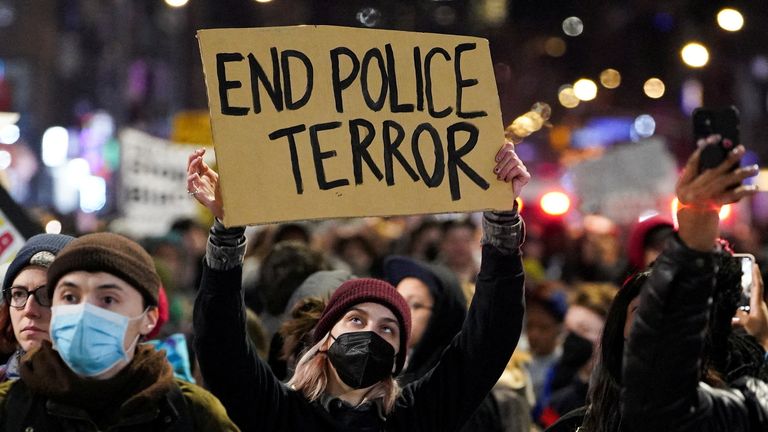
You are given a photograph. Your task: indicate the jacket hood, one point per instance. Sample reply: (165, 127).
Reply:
(448, 310)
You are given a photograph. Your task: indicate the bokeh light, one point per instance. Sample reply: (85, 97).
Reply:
(93, 194)
(368, 16)
(725, 212)
(644, 125)
(55, 146)
(610, 78)
(176, 3)
(567, 97)
(585, 89)
(5, 159)
(573, 26)
(730, 20)
(9, 134)
(555, 203)
(554, 47)
(695, 55)
(654, 88)
(53, 227)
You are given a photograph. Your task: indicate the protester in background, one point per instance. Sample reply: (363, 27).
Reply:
(646, 241)
(25, 314)
(457, 248)
(568, 384)
(423, 241)
(282, 271)
(358, 252)
(438, 309)
(304, 309)
(103, 289)
(345, 381)
(193, 237)
(598, 256)
(661, 373)
(544, 315)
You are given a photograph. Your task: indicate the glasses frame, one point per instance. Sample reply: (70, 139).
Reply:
(45, 302)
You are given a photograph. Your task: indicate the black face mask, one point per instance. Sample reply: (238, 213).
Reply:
(361, 358)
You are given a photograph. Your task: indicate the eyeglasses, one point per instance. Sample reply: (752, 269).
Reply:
(416, 306)
(18, 296)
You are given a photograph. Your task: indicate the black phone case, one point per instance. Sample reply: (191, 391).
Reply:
(724, 122)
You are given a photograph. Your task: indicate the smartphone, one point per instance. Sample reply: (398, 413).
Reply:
(746, 260)
(721, 121)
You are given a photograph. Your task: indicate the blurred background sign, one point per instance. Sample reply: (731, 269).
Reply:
(627, 180)
(153, 187)
(192, 127)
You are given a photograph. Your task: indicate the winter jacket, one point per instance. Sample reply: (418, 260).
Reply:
(442, 400)
(661, 373)
(144, 397)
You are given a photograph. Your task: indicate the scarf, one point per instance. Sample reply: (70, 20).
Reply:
(138, 387)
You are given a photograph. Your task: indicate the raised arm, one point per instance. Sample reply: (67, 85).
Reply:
(661, 358)
(448, 395)
(230, 366)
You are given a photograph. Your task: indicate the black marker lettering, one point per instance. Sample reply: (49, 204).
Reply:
(394, 106)
(428, 78)
(285, 56)
(461, 83)
(455, 155)
(224, 85)
(339, 84)
(360, 149)
(419, 79)
(438, 172)
(378, 104)
(274, 89)
(290, 132)
(318, 155)
(391, 149)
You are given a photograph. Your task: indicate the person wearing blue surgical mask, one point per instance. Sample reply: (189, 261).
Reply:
(94, 374)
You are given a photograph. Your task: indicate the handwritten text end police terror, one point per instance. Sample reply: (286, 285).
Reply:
(461, 136)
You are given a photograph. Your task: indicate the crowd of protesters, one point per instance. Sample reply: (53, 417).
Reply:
(419, 323)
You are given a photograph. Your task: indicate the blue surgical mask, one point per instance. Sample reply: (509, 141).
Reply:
(90, 339)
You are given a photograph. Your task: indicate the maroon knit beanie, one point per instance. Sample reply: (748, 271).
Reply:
(364, 290)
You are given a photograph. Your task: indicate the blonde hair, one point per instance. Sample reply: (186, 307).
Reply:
(311, 378)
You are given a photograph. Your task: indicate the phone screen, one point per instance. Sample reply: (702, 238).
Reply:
(746, 276)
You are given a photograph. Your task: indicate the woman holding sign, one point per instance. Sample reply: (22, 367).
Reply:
(347, 379)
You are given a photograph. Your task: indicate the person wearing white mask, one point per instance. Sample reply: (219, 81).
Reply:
(94, 374)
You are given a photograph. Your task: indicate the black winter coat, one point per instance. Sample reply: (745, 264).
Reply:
(442, 400)
(662, 391)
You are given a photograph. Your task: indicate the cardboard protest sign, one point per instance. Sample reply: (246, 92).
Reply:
(317, 122)
(15, 227)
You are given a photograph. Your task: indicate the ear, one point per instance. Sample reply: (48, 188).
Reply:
(150, 320)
